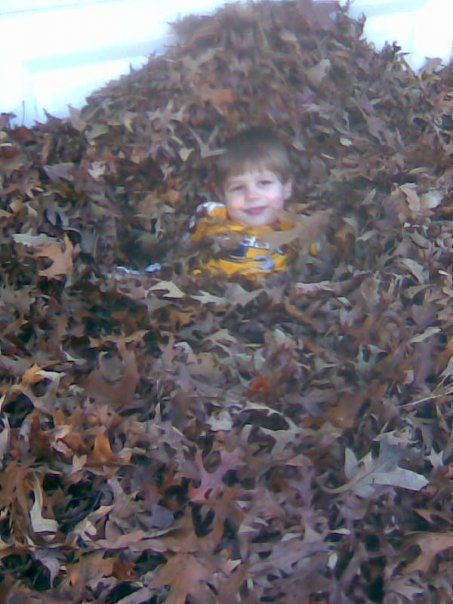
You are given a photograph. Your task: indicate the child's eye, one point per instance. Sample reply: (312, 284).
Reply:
(236, 189)
(265, 183)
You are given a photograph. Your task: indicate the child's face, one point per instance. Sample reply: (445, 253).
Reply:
(254, 198)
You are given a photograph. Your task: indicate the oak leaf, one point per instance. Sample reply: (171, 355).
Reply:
(169, 289)
(430, 545)
(211, 482)
(185, 576)
(39, 523)
(366, 474)
(61, 261)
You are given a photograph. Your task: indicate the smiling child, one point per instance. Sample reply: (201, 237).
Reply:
(254, 178)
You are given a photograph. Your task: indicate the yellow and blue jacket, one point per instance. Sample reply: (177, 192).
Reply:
(254, 255)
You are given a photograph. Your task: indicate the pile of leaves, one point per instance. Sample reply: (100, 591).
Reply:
(168, 439)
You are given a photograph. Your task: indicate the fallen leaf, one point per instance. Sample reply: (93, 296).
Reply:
(170, 289)
(318, 72)
(430, 544)
(185, 576)
(211, 482)
(365, 474)
(62, 259)
(39, 523)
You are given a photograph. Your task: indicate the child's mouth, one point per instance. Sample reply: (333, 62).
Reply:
(255, 211)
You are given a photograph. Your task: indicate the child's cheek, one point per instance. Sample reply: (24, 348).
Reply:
(234, 203)
(275, 202)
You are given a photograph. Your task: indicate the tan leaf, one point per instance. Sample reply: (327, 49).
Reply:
(207, 298)
(34, 241)
(95, 131)
(5, 434)
(118, 393)
(61, 258)
(38, 522)
(76, 119)
(368, 472)
(430, 545)
(428, 333)
(415, 268)
(184, 153)
(412, 198)
(431, 199)
(169, 289)
(318, 72)
(211, 482)
(36, 374)
(183, 573)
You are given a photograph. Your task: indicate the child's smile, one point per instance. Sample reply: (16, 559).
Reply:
(255, 197)
(255, 211)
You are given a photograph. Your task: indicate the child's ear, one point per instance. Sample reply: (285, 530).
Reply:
(287, 189)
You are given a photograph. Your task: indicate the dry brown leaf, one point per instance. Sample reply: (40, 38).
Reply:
(184, 575)
(62, 259)
(430, 544)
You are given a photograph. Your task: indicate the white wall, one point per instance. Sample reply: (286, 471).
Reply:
(55, 52)
(423, 28)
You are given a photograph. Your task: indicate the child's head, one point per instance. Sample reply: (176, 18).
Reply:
(254, 174)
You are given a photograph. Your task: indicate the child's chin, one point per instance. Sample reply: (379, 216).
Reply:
(254, 220)
(257, 221)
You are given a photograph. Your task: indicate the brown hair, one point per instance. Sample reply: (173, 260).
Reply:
(253, 148)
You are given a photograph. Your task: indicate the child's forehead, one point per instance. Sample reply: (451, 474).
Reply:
(251, 171)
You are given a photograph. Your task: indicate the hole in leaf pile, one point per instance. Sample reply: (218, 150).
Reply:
(18, 409)
(376, 590)
(202, 522)
(119, 592)
(34, 574)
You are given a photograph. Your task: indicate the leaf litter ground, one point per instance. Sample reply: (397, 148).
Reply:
(166, 439)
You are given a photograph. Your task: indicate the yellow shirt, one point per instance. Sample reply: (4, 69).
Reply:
(253, 256)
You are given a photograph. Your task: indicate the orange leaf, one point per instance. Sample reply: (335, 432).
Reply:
(35, 374)
(259, 385)
(102, 451)
(32, 375)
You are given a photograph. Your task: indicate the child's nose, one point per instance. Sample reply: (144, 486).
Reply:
(251, 192)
